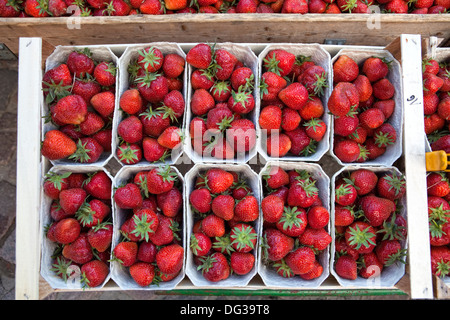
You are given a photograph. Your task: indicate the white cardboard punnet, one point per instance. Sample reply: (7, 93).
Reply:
(120, 274)
(268, 274)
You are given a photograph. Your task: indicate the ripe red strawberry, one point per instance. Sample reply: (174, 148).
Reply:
(364, 181)
(105, 73)
(150, 58)
(387, 106)
(345, 125)
(92, 213)
(91, 124)
(270, 85)
(345, 69)
(443, 108)
(276, 177)
(372, 118)
(86, 88)
(98, 185)
(241, 102)
(242, 262)
(294, 95)
(343, 216)
(364, 87)
(215, 267)
(241, 135)
(243, 237)
(201, 102)
(272, 208)
(223, 206)
(66, 230)
(361, 237)
(153, 87)
(142, 273)
(103, 103)
(278, 145)
(343, 97)
(169, 259)
(276, 245)
(279, 61)
(346, 267)
(290, 119)
(94, 273)
(130, 129)
(315, 129)
(88, 150)
(440, 261)
(301, 260)
(80, 63)
(128, 196)
(224, 62)
(383, 89)
(270, 118)
(200, 244)
(303, 193)
(129, 153)
(125, 253)
(71, 200)
(390, 252)
(200, 200)
(376, 209)
(375, 68)
(100, 236)
(372, 267)
(345, 193)
(218, 180)
(201, 79)
(10, 9)
(242, 77)
(161, 179)
(314, 79)
(247, 209)
(200, 56)
(293, 221)
(57, 83)
(437, 184)
(315, 272)
(79, 251)
(347, 150)
(131, 101)
(173, 65)
(141, 225)
(317, 239)
(301, 143)
(318, 217)
(391, 186)
(71, 109)
(431, 83)
(313, 108)
(213, 226)
(173, 104)
(171, 138)
(170, 202)
(166, 232)
(54, 183)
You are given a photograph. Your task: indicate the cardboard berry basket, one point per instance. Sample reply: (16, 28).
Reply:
(130, 54)
(49, 247)
(194, 275)
(268, 274)
(59, 56)
(120, 274)
(246, 55)
(390, 275)
(320, 57)
(394, 151)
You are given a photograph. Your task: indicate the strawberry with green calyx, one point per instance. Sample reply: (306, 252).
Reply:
(302, 193)
(223, 244)
(270, 85)
(57, 83)
(345, 193)
(242, 77)
(171, 138)
(55, 182)
(155, 121)
(92, 213)
(151, 59)
(167, 231)
(390, 252)
(218, 180)
(279, 61)
(391, 186)
(80, 62)
(283, 269)
(143, 223)
(314, 79)
(105, 73)
(361, 237)
(153, 87)
(200, 56)
(394, 228)
(275, 244)
(63, 268)
(293, 221)
(376, 68)
(241, 102)
(161, 179)
(440, 261)
(72, 199)
(10, 8)
(100, 236)
(343, 97)
(88, 150)
(437, 184)
(200, 244)
(301, 260)
(221, 90)
(79, 251)
(214, 267)
(129, 153)
(243, 237)
(98, 185)
(364, 180)
(315, 129)
(93, 273)
(344, 215)
(125, 253)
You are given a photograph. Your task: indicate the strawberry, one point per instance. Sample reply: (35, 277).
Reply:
(242, 77)
(154, 7)
(221, 90)
(375, 68)
(270, 85)
(278, 145)
(346, 267)
(100, 236)
(347, 150)
(293, 221)
(301, 143)
(391, 186)
(153, 151)
(104, 138)
(224, 63)
(383, 89)
(247, 209)
(276, 245)
(361, 237)
(364, 181)
(150, 59)
(315, 129)
(345, 69)
(243, 237)
(315, 272)
(315, 238)
(98, 185)
(129, 153)
(94, 273)
(142, 273)
(173, 64)
(199, 56)
(294, 95)
(79, 251)
(372, 267)
(372, 118)
(200, 200)
(146, 252)
(54, 183)
(283, 270)
(142, 225)
(364, 87)
(169, 259)
(154, 121)
(389, 252)
(371, 150)
(276, 177)
(200, 244)
(387, 106)
(431, 83)
(130, 129)
(301, 260)
(125, 253)
(313, 108)
(10, 8)
(215, 267)
(91, 124)
(161, 179)
(170, 138)
(345, 193)
(223, 206)
(343, 97)
(303, 193)
(376, 209)
(86, 88)
(279, 61)
(318, 217)
(71, 109)
(170, 202)
(242, 135)
(241, 102)
(202, 79)
(218, 180)
(80, 63)
(213, 226)
(92, 213)
(242, 263)
(270, 118)
(71, 200)
(437, 184)
(103, 103)
(152, 86)
(219, 117)
(118, 8)
(201, 102)
(131, 101)
(128, 196)
(105, 73)
(440, 261)
(290, 119)
(443, 108)
(314, 79)
(57, 83)
(66, 230)
(345, 125)
(166, 232)
(272, 208)
(88, 150)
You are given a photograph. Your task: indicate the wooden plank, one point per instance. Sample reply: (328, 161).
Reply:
(356, 29)
(28, 170)
(414, 157)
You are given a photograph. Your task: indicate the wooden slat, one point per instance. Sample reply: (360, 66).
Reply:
(355, 29)
(28, 170)
(415, 170)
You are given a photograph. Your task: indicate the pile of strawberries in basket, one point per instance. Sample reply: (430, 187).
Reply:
(84, 8)
(224, 236)
(151, 245)
(369, 228)
(81, 225)
(80, 95)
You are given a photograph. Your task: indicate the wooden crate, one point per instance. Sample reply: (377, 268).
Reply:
(417, 282)
(350, 29)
